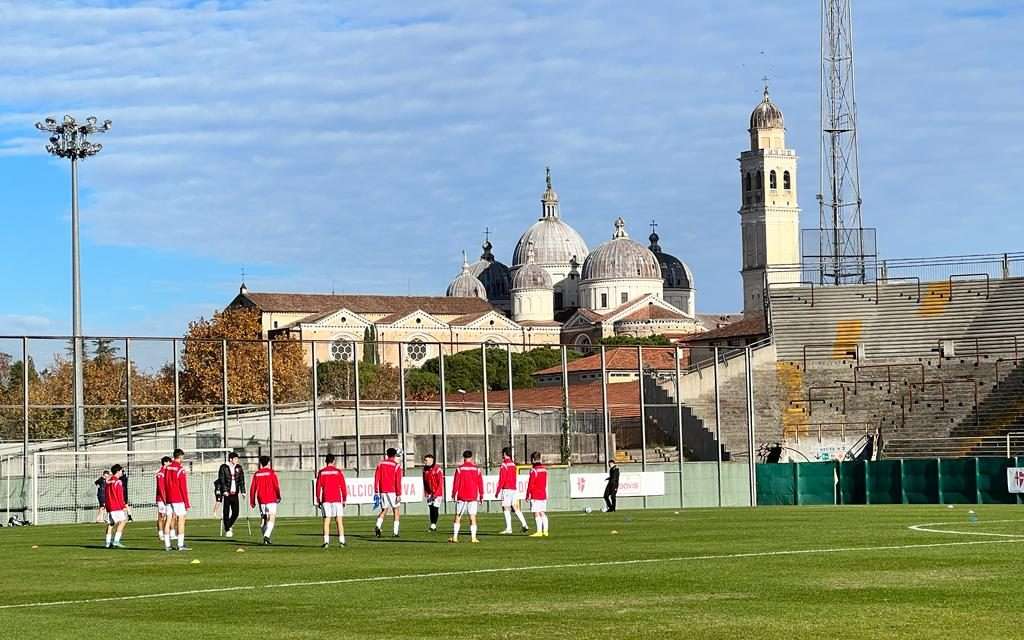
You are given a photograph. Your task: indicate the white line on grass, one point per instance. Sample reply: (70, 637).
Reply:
(541, 567)
(925, 528)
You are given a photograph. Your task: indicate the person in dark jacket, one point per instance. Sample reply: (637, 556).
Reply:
(611, 489)
(101, 496)
(230, 483)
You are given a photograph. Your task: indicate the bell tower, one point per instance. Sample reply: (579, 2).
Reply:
(769, 215)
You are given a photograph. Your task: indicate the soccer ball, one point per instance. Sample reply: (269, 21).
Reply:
(587, 510)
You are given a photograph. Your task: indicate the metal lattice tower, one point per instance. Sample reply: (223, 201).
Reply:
(842, 241)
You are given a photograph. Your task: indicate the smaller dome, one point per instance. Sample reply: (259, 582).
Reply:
(531, 276)
(621, 258)
(766, 115)
(494, 275)
(466, 285)
(674, 272)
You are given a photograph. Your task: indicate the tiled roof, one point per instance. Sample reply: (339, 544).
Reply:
(654, 312)
(750, 327)
(313, 303)
(618, 359)
(623, 398)
(462, 321)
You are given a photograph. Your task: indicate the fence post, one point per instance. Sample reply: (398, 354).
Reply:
(643, 413)
(487, 439)
(128, 393)
(566, 431)
(752, 466)
(24, 416)
(270, 395)
(177, 391)
(604, 408)
(718, 432)
(511, 406)
(356, 407)
(444, 409)
(679, 424)
(316, 403)
(224, 390)
(403, 423)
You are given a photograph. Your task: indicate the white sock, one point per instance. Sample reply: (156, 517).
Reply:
(472, 531)
(380, 522)
(395, 528)
(341, 538)
(538, 522)
(545, 523)
(167, 542)
(174, 534)
(108, 538)
(508, 521)
(181, 539)
(327, 538)
(270, 529)
(117, 537)
(455, 531)
(522, 520)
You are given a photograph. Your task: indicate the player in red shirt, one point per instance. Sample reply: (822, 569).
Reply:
(176, 493)
(265, 491)
(507, 477)
(331, 494)
(433, 488)
(387, 486)
(162, 505)
(468, 493)
(537, 494)
(117, 507)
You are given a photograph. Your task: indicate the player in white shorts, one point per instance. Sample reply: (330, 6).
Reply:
(265, 491)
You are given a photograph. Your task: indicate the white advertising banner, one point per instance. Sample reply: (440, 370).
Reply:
(491, 486)
(1015, 479)
(360, 490)
(635, 484)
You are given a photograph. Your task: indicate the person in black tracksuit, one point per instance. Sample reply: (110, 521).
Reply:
(612, 488)
(230, 483)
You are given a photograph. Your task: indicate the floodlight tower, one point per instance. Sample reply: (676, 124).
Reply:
(70, 139)
(841, 236)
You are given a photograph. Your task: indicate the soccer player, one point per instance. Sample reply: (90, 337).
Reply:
(433, 488)
(611, 490)
(507, 491)
(230, 483)
(176, 492)
(101, 495)
(265, 492)
(537, 494)
(162, 504)
(468, 493)
(116, 501)
(331, 494)
(387, 485)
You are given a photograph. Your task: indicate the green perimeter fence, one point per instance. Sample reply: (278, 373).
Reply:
(933, 481)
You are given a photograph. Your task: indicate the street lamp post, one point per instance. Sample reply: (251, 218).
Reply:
(70, 139)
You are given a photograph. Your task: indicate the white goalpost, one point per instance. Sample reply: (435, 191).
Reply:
(64, 489)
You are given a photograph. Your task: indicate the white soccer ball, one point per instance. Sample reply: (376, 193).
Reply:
(587, 510)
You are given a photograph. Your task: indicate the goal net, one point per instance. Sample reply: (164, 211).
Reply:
(64, 483)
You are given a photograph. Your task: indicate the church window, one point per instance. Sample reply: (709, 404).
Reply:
(746, 182)
(604, 300)
(343, 350)
(625, 297)
(558, 299)
(773, 181)
(786, 182)
(760, 181)
(416, 349)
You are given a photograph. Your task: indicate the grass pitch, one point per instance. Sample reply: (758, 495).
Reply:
(804, 572)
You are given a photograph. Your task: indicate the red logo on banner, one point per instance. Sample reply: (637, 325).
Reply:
(581, 483)
(1019, 479)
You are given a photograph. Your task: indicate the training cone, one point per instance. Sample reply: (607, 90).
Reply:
(239, 550)
(614, 532)
(196, 561)
(35, 546)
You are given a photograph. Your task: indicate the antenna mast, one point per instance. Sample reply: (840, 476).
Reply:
(844, 245)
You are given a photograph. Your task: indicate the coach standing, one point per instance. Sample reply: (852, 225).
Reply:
(611, 490)
(230, 482)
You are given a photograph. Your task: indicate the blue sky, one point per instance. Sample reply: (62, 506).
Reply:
(365, 145)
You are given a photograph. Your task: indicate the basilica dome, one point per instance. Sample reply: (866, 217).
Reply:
(674, 272)
(466, 285)
(621, 258)
(531, 275)
(495, 276)
(554, 242)
(766, 115)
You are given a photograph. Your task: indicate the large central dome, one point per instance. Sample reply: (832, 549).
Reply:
(554, 242)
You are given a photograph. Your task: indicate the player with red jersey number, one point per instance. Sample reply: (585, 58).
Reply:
(507, 478)
(161, 497)
(331, 494)
(265, 491)
(468, 493)
(537, 494)
(117, 507)
(387, 486)
(433, 488)
(176, 492)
